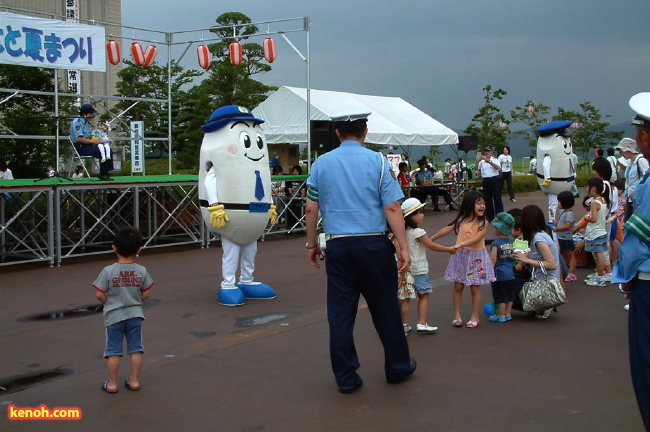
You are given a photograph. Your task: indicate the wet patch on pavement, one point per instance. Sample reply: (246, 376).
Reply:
(78, 312)
(263, 319)
(17, 383)
(204, 334)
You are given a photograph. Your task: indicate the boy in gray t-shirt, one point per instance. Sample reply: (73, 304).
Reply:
(122, 287)
(564, 223)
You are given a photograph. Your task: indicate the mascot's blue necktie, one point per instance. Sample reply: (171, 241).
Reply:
(259, 187)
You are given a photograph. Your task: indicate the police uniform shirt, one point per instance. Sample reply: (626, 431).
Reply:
(488, 170)
(79, 127)
(634, 254)
(423, 176)
(351, 200)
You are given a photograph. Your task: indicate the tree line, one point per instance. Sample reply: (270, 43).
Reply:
(195, 94)
(494, 128)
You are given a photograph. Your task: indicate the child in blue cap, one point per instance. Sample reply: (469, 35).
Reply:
(503, 289)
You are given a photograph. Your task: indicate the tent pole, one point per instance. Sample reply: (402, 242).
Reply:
(169, 101)
(308, 99)
(56, 116)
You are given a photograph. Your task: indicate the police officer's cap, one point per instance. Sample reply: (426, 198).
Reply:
(640, 104)
(226, 114)
(350, 117)
(560, 127)
(87, 109)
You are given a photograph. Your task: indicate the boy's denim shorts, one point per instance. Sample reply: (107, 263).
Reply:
(599, 244)
(421, 284)
(131, 329)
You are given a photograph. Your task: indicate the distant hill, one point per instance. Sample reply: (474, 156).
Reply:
(626, 126)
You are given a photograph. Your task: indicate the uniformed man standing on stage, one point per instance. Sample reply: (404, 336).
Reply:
(356, 194)
(632, 269)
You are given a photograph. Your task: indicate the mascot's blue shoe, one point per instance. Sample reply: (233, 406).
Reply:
(230, 296)
(256, 290)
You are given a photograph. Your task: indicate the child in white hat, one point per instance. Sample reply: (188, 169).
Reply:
(418, 242)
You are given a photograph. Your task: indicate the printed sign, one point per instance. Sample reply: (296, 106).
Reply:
(394, 161)
(48, 43)
(137, 147)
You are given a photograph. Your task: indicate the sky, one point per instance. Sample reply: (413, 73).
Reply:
(438, 55)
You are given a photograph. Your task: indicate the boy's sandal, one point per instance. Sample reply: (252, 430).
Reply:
(105, 388)
(472, 324)
(457, 322)
(128, 385)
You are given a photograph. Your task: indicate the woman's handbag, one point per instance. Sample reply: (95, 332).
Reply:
(543, 294)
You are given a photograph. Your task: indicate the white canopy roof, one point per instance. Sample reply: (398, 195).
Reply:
(393, 121)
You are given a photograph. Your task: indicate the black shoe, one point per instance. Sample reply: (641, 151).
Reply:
(351, 389)
(412, 366)
(436, 209)
(105, 177)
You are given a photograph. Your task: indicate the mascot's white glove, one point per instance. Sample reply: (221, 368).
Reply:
(218, 216)
(273, 214)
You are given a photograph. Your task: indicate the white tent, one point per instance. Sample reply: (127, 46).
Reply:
(393, 121)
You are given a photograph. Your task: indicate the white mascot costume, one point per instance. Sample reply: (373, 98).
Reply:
(235, 196)
(555, 170)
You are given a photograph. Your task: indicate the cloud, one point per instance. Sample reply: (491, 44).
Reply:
(439, 54)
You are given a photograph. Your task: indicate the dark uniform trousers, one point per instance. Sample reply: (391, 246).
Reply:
(639, 340)
(492, 192)
(355, 266)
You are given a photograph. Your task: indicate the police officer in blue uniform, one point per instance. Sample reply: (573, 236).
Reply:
(80, 135)
(354, 191)
(632, 269)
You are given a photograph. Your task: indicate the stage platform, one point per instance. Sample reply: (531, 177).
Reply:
(55, 218)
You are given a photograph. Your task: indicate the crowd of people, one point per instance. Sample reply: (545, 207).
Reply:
(288, 195)
(391, 270)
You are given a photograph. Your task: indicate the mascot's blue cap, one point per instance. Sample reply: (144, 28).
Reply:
(226, 114)
(557, 126)
(554, 126)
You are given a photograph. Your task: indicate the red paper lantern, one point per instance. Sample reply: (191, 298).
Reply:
(137, 53)
(150, 55)
(113, 50)
(236, 53)
(203, 54)
(143, 58)
(269, 50)
(531, 109)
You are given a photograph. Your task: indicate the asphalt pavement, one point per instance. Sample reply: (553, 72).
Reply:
(264, 366)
